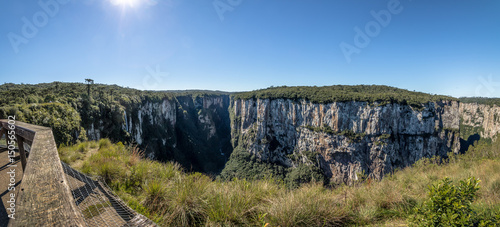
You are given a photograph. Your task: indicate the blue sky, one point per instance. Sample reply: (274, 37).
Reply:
(449, 47)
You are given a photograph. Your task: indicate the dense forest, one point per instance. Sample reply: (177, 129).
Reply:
(481, 100)
(343, 93)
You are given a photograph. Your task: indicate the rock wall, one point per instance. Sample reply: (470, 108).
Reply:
(350, 137)
(480, 120)
(191, 130)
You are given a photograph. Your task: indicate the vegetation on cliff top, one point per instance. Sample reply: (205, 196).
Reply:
(344, 93)
(171, 197)
(76, 111)
(63, 92)
(69, 108)
(481, 100)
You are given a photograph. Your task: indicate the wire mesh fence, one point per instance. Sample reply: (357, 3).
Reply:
(99, 206)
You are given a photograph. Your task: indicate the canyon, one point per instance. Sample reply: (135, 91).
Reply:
(350, 139)
(343, 133)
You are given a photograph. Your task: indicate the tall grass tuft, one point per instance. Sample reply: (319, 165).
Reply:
(310, 205)
(185, 199)
(135, 156)
(155, 195)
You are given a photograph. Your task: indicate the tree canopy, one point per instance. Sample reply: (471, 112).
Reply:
(481, 100)
(345, 93)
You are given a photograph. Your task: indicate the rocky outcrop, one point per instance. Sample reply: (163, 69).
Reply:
(480, 120)
(350, 137)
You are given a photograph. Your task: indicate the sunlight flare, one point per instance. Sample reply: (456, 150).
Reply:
(130, 3)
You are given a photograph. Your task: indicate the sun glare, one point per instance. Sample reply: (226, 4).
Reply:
(130, 3)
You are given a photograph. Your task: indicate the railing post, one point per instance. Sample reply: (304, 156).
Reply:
(20, 144)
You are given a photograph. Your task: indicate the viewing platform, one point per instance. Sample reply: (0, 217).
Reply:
(37, 189)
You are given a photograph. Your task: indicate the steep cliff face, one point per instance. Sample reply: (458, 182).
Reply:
(479, 120)
(131, 119)
(347, 138)
(350, 137)
(191, 130)
(196, 129)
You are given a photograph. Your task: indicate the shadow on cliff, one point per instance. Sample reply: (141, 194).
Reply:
(465, 144)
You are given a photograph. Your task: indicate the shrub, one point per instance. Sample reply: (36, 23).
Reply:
(82, 147)
(244, 165)
(62, 118)
(448, 204)
(110, 171)
(104, 143)
(303, 174)
(68, 155)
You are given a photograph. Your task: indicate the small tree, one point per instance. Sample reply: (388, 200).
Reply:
(89, 83)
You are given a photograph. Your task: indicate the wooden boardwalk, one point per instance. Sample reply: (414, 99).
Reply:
(5, 181)
(50, 193)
